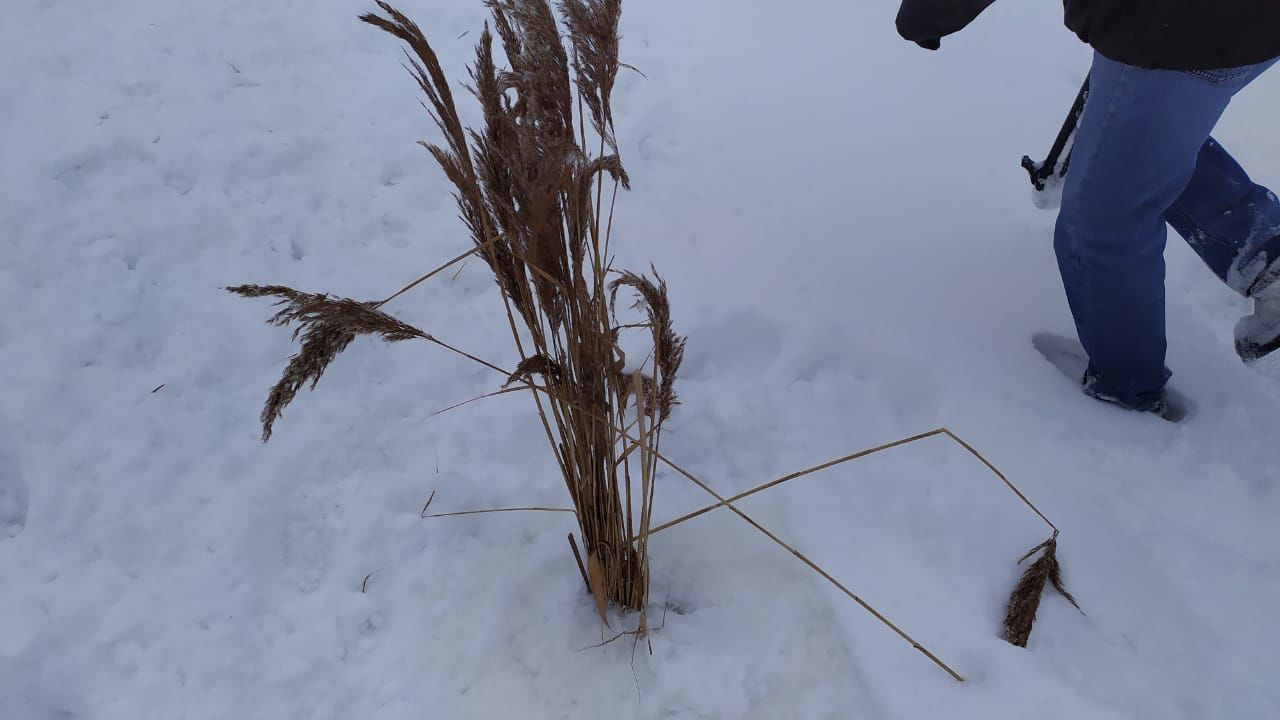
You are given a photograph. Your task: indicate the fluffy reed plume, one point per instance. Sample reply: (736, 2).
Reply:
(593, 29)
(651, 297)
(535, 365)
(1025, 600)
(326, 325)
(538, 204)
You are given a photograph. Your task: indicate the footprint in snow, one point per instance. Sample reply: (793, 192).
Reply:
(14, 498)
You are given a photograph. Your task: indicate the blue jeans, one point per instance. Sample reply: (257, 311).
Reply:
(1143, 157)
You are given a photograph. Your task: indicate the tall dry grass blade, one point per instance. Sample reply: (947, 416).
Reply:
(428, 73)
(646, 436)
(597, 582)
(454, 158)
(577, 555)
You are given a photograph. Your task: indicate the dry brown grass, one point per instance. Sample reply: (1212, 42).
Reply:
(538, 202)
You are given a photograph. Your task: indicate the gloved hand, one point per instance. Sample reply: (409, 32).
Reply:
(926, 22)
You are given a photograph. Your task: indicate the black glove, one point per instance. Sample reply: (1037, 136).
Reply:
(926, 22)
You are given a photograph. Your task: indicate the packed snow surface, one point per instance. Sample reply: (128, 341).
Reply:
(844, 227)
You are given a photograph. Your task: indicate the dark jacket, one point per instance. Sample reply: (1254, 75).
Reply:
(1166, 34)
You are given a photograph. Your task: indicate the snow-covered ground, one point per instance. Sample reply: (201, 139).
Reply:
(846, 233)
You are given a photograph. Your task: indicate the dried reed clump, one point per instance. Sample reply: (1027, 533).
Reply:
(538, 202)
(533, 196)
(1025, 600)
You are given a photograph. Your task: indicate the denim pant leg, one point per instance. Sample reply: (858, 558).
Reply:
(1221, 211)
(1136, 151)
(1224, 216)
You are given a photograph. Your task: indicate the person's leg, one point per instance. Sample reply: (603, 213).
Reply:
(1233, 224)
(1225, 217)
(1228, 219)
(1136, 151)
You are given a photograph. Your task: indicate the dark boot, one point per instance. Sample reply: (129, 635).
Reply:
(1092, 388)
(1258, 335)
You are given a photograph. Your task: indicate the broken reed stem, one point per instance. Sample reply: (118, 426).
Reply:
(723, 502)
(437, 271)
(852, 596)
(502, 510)
(495, 393)
(851, 458)
(1008, 483)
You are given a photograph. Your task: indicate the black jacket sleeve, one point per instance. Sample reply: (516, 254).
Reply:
(925, 22)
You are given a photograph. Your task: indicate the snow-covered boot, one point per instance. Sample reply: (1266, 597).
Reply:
(1258, 335)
